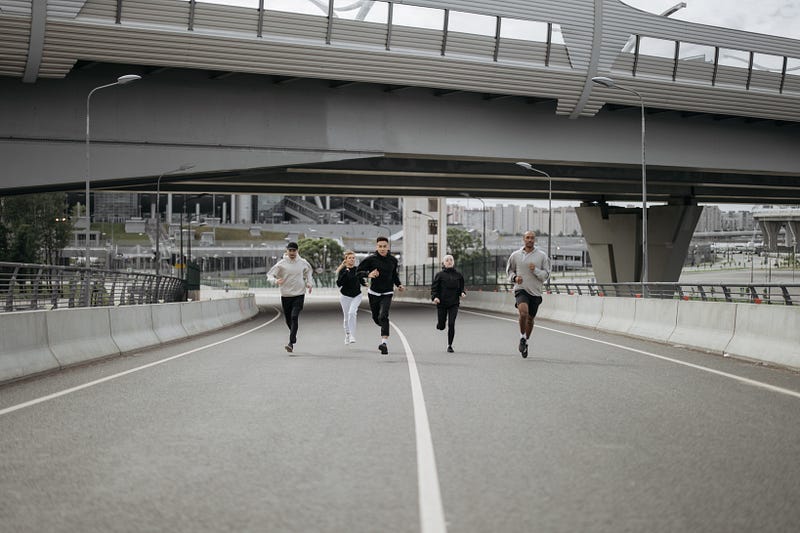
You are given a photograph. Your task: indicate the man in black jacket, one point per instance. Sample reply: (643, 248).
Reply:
(381, 268)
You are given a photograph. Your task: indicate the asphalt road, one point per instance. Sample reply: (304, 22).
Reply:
(228, 432)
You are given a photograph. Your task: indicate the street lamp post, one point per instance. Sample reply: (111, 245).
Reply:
(158, 211)
(433, 259)
(528, 166)
(122, 80)
(611, 84)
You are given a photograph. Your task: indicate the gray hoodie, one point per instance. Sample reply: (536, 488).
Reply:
(296, 275)
(532, 280)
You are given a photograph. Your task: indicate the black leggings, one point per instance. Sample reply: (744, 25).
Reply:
(379, 305)
(449, 314)
(292, 305)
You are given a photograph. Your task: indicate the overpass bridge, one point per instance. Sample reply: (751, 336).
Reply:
(262, 100)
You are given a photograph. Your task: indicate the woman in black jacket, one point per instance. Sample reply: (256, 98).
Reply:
(349, 283)
(446, 292)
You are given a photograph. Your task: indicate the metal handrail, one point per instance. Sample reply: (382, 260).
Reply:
(767, 293)
(25, 286)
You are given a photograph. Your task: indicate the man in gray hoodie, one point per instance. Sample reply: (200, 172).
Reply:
(293, 276)
(528, 268)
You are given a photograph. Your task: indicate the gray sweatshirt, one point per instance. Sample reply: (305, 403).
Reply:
(532, 280)
(296, 275)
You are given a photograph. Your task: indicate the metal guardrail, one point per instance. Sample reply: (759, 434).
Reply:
(29, 286)
(766, 293)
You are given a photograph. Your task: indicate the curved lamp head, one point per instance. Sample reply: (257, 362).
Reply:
(128, 78)
(604, 81)
(524, 165)
(417, 211)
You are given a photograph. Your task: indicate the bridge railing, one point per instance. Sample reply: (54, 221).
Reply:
(766, 293)
(26, 286)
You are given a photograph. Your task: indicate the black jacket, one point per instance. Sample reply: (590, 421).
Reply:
(387, 269)
(350, 282)
(448, 285)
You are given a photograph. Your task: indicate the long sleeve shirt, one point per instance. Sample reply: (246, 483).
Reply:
(387, 278)
(448, 286)
(349, 281)
(519, 264)
(296, 275)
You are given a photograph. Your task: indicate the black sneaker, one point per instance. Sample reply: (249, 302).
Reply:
(450, 349)
(523, 345)
(525, 352)
(289, 347)
(383, 348)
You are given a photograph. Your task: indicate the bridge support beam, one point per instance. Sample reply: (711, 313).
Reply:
(770, 230)
(614, 240)
(793, 231)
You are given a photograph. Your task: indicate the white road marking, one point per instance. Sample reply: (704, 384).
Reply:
(431, 511)
(741, 379)
(126, 372)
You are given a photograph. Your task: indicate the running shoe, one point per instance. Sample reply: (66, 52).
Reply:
(383, 348)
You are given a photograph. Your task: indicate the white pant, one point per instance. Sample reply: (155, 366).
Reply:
(349, 310)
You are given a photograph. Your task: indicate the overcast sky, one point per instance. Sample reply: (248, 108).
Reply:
(772, 17)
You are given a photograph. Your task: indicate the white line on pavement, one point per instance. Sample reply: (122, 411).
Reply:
(431, 511)
(126, 372)
(741, 379)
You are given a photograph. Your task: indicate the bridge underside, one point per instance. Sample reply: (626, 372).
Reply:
(396, 175)
(251, 135)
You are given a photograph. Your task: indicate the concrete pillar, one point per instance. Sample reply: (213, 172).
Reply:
(415, 232)
(224, 212)
(169, 208)
(234, 212)
(614, 240)
(793, 234)
(245, 208)
(770, 230)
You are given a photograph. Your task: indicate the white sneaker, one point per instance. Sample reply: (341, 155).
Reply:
(347, 339)
(352, 340)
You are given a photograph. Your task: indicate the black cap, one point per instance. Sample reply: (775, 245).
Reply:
(291, 246)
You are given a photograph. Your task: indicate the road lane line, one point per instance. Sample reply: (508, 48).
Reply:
(431, 511)
(741, 379)
(126, 372)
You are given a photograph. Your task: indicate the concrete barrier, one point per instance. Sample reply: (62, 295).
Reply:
(654, 319)
(618, 314)
(48, 340)
(80, 335)
(132, 327)
(559, 307)
(192, 318)
(758, 332)
(24, 349)
(704, 325)
(167, 322)
(767, 333)
(588, 311)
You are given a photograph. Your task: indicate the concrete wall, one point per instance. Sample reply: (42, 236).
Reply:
(34, 342)
(766, 333)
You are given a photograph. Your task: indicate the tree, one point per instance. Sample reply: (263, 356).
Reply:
(33, 228)
(324, 254)
(463, 244)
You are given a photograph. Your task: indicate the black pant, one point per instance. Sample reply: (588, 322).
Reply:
(379, 305)
(449, 314)
(292, 305)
